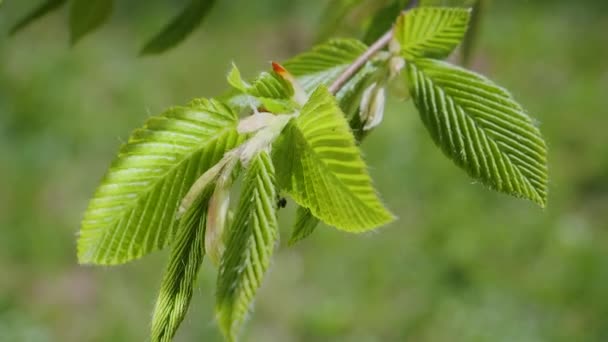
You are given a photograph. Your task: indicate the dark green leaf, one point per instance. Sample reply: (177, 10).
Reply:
(179, 28)
(481, 128)
(86, 16)
(43, 9)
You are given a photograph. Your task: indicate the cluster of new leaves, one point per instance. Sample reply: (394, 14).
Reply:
(171, 182)
(87, 15)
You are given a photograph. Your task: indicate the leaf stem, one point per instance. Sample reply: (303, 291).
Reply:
(378, 45)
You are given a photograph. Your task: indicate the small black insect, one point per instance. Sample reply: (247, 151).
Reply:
(281, 202)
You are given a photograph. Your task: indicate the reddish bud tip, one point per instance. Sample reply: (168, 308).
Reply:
(278, 68)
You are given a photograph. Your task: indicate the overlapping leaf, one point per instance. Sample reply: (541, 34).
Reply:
(181, 273)
(431, 31)
(87, 15)
(250, 243)
(133, 210)
(324, 62)
(306, 223)
(481, 128)
(320, 166)
(180, 27)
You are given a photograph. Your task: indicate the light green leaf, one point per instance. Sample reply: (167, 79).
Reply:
(181, 273)
(269, 90)
(133, 210)
(179, 28)
(86, 16)
(320, 166)
(306, 223)
(481, 128)
(325, 62)
(431, 31)
(41, 10)
(249, 247)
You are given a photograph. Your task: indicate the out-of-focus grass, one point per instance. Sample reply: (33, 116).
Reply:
(461, 264)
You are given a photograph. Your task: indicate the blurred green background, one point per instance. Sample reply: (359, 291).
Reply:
(461, 264)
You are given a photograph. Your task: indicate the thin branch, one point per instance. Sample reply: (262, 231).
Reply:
(352, 69)
(378, 45)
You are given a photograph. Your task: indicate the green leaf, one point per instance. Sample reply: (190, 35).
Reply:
(269, 90)
(41, 10)
(179, 28)
(250, 244)
(306, 223)
(320, 166)
(133, 210)
(481, 128)
(325, 62)
(86, 16)
(431, 31)
(181, 273)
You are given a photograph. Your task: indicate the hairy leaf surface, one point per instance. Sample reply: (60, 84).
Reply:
(41, 10)
(180, 27)
(481, 128)
(249, 247)
(320, 166)
(86, 16)
(181, 272)
(431, 31)
(133, 210)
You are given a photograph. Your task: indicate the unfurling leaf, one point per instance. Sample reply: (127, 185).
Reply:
(372, 106)
(249, 246)
(320, 166)
(430, 31)
(217, 216)
(481, 128)
(86, 16)
(179, 28)
(133, 210)
(181, 273)
(43, 9)
(306, 223)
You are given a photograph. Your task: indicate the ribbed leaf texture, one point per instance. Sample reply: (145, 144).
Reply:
(180, 27)
(481, 128)
(87, 15)
(320, 166)
(325, 62)
(249, 247)
(133, 210)
(181, 273)
(431, 31)
(41, 10)
(306, 223)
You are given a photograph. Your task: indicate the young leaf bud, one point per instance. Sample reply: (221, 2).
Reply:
(372, 106)
(299, 95)
(217, 214)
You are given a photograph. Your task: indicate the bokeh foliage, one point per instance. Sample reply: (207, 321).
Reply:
(462, 262)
